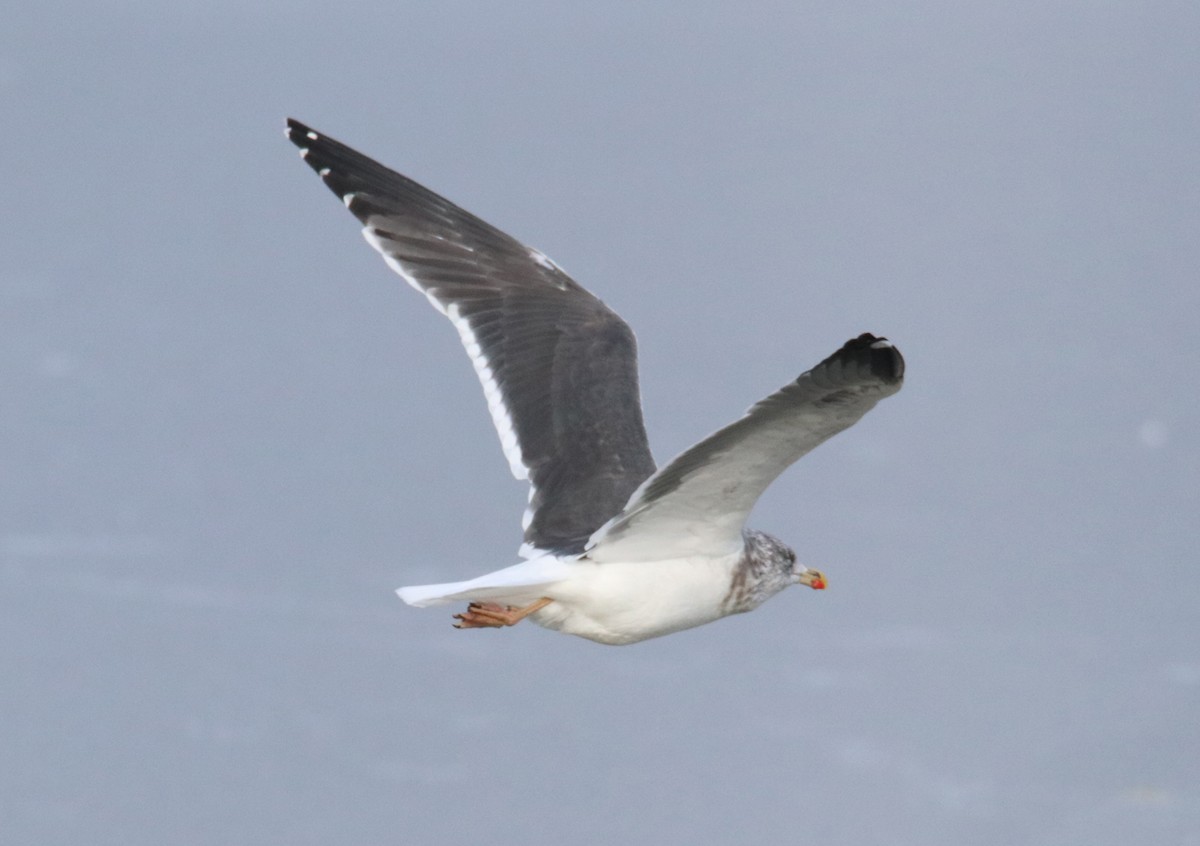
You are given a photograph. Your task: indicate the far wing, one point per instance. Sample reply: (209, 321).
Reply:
(699, 502)
(558, 367)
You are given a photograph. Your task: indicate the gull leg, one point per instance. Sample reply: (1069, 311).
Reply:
(489, 615)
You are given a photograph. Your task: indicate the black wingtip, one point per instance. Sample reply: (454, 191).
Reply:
(296, 130)
(343, 169)
(301, 135)
(879, 355)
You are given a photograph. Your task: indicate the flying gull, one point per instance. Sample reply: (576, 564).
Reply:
(615, 550)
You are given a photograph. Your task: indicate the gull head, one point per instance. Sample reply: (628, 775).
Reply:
(784, 563)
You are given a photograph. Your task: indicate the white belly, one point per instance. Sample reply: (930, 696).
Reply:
(620, 603)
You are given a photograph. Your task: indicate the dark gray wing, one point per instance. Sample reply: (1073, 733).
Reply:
(558, 367)
(698, 503)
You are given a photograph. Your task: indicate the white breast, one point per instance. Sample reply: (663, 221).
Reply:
(619, 602)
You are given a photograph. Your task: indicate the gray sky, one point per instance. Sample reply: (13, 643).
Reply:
(229, 431)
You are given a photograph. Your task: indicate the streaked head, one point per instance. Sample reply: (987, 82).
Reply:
(802, 575)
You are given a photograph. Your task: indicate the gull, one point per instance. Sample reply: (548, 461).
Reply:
(615, 550)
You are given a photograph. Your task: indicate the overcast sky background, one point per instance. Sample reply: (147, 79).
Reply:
(228, 431)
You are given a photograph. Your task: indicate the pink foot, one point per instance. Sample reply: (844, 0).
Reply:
(490, 615)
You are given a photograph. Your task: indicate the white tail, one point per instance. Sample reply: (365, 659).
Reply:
(516, 585)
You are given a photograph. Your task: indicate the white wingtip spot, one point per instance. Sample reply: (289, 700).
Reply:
(881, 344)
(544, 260)
(323, 172)
(312, 136)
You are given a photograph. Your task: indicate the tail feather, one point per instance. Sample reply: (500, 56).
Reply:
(517, 585)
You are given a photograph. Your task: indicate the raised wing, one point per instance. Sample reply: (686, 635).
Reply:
(558, 367)
(698, 503)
